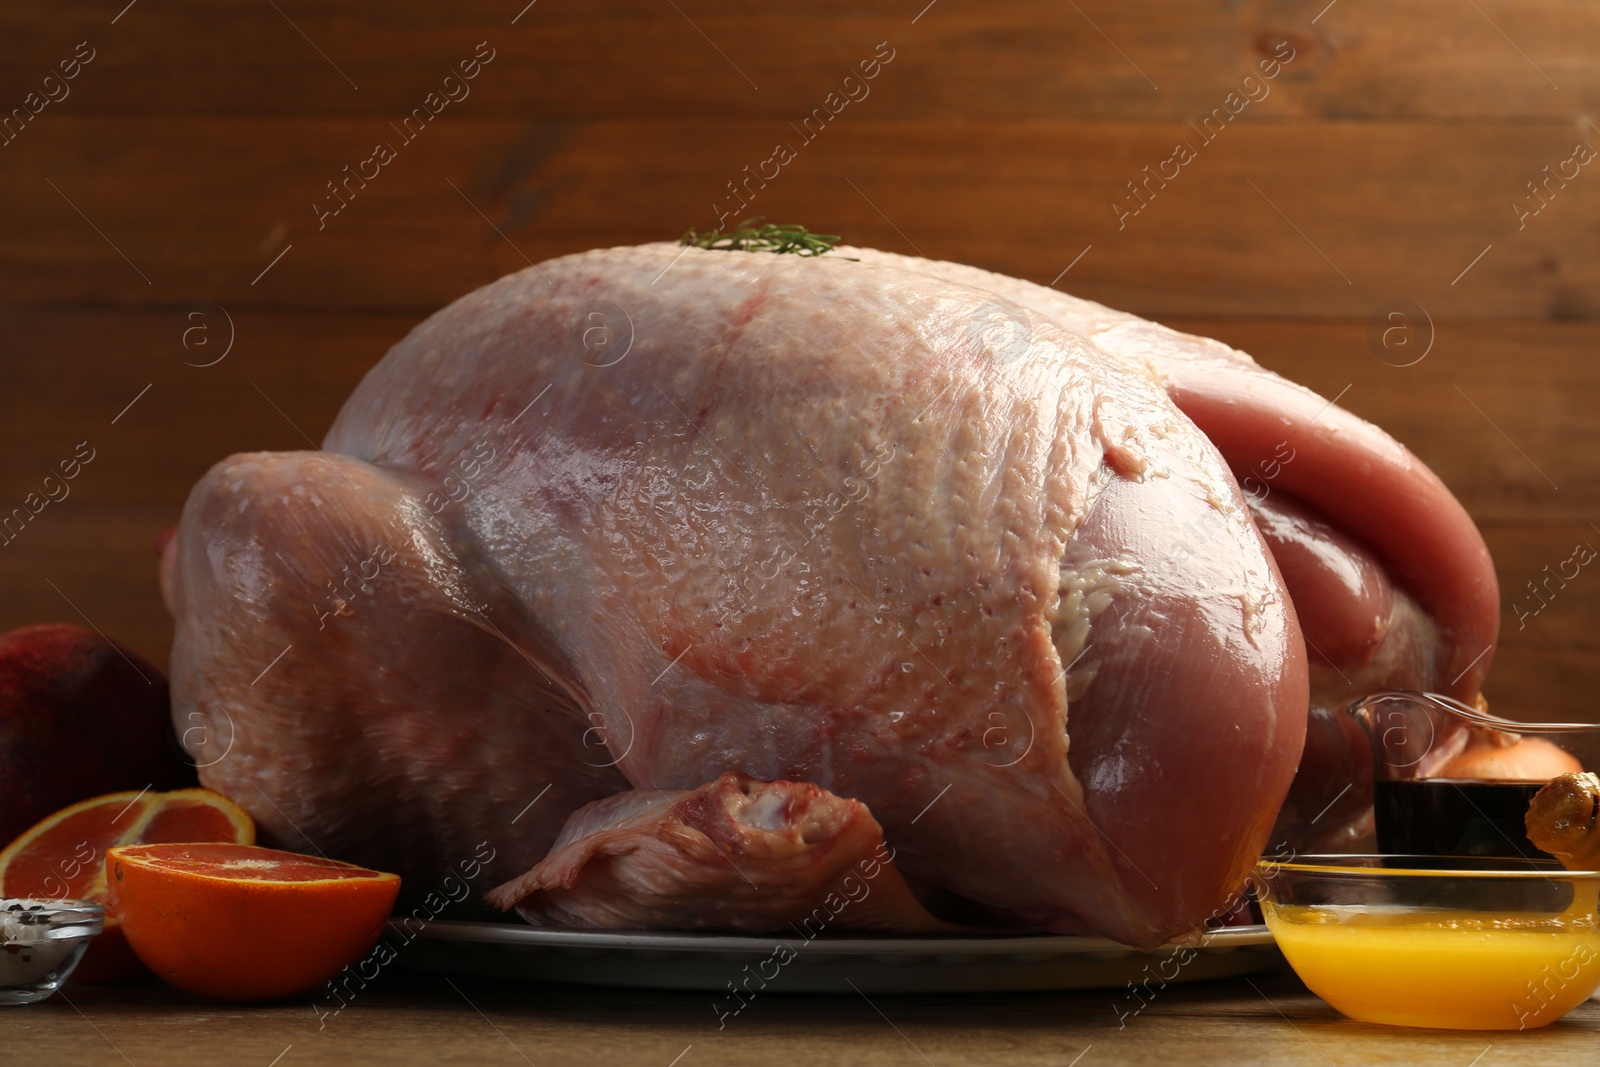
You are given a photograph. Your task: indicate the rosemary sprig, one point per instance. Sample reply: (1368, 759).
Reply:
(752, 235)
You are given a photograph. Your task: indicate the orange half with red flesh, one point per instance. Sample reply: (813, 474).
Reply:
(63, 856)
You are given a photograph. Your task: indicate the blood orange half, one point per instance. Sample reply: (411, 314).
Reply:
(63, 856)
(235, 922)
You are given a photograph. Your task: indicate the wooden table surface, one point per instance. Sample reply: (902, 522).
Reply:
(173, 289)
(428, 1019)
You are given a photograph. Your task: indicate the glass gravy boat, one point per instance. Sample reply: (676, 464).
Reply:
(1451, 779)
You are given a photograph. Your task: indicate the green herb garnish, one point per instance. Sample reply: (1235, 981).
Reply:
(753, 235)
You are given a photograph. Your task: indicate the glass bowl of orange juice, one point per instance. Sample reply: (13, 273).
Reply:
(1457, 942)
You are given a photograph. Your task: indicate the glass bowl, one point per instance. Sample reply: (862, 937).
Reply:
(41, 941)
(1459, 942)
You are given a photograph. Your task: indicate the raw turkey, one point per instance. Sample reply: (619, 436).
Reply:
(940, 554)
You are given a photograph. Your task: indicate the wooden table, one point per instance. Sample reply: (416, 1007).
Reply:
(428, 1019)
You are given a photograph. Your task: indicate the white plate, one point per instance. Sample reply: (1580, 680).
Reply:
(827, 964)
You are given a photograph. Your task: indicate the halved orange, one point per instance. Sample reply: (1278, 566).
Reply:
(63, 856)
(234, 922)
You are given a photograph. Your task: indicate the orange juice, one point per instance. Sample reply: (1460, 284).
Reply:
(1457, 969)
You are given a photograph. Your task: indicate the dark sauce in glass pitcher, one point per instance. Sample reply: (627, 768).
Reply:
(1454, 817)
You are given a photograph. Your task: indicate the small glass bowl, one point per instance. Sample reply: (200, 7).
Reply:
(1458, 942)
(41, 941)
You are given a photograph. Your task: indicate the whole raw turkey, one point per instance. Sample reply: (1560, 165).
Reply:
(752, 566)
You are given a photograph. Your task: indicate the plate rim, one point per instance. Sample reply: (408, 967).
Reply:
(480, 932)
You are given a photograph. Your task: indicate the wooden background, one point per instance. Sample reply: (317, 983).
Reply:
(172, 191)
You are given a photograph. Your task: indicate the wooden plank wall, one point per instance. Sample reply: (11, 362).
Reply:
(161, 202)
